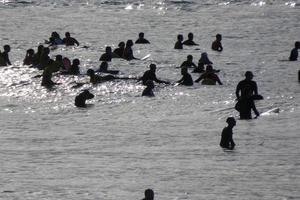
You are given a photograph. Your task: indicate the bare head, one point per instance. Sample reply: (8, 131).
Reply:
(149, 194)
(249, 75)
(152, 67)
(219, 37)
(179, 37)
(231, 121)
(191, 36)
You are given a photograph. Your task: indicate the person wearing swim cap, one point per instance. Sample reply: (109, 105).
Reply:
(226, 137)
(150, 75)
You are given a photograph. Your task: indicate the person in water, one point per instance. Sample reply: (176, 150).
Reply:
(179, 44)
(128, 52)
(189, 41)
(186, 79)
(294, 52)
(95, 79)
(209, 77)
(44, 58)
(246, 86)
(149, 195)
(226, 138)
(4, 57)
(107, 56)
(54, 39)
(82, 97)
(28, 60)
(148, 91)
(150, 75)
(47, 75)
(37, 57)
(70, 41)
(188, 63)
(104, 69)
(75, 69)
(245, 105)
(217, 45)
(118, 52)
(141, 39)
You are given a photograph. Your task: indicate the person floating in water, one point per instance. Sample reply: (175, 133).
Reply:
(118, 52)
(189, 41)
(294, 52)
(95, 79)
(4, 57)
(82, 97)
(150, 75)
(28, 60)
(148, 91)
(188, 63)
(179, 44)
(104, 69)
(107, 56)
(70, 41)
(141, 39)
(217, 45)
(128, 52)
(246, 86)
(226, 138)
(186, 79)
(245, 105)
(209, 77)
(149, 195)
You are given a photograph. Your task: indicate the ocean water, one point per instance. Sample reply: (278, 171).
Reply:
(125, 143)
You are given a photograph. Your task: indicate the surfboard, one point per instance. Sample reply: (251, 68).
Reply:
(271, 111)
(146, 57)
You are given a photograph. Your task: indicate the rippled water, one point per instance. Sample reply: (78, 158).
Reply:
(125, 143)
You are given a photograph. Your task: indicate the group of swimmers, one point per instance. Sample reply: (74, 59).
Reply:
(246, 90)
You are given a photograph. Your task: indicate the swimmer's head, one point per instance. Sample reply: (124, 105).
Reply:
(90, 72)
(231, 121)
(152, 67)
(180, 37)
(189, 57)
(76, 62)
(58, 58)
(67, 34)
(141, 35)
(121, 44)
(6, 48)
(249, 75)
(149, 194)
(108, 49)
(129, 43)
(219, 37)
(190, 36)
(297, 45)
(30, 52)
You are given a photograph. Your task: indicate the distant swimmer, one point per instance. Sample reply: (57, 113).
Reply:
(58, 64)
(226, 138)
(107, 56)
(44, 58)
(128, 52)
(209, 77)
(95, 79)
(118, 52)
(82, 97)
(246, 86)
(150, 75)
(217, 45)
(245, 105)
(54, 39)
(70, 41)
(179, 44)
(149, 195)
(141, 39)
(189, 41)
(204, 59)
(28, 60)
(188, 63)
(47, 75)
(37, 57)
(186, 79)
(4, 57)
(148, 91)
(294, 52)
(104, 69)
(75, 69)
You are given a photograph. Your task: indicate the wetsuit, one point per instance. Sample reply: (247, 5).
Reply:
(226, 139)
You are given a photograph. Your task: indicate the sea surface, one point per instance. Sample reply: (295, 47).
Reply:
(124, 143)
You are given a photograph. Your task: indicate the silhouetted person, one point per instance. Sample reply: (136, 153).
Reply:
(179, 44)
(4, 58)
(150, 75)
(47, 75)
(189, 41)
(70, 41)
(226, 138)
(204, 59)
(245, 105)
(186, 78)
(37, 57)
(74, 70)
(294, 52)
(141, 39)
(118, 52)
(28, 60)
(44, 58)
(246, 86)
(104, 69)
(82, 97)
(209, 77)
(107, 56)
(54, 39)
(188, 63)
(128, 52)
(149, 195)
(95, 79)
(58, 64)
(148, 91)
(217, 45)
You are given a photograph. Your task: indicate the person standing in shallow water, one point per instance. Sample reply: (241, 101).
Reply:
(217, 45)
(189, 41)
(294, 52)
(141, 39)
(186, 79)
(179, 44)
(149, 195)
(69, 41)
(150, 75)
(82, 97)
(226, 138)
(148, 91)
(4, 58)
(246, 86)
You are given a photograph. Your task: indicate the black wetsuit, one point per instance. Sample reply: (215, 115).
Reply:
(82, 97)
(149, 75)
(226, 139)
(178, 45)
(148, 92)
(188, 64)
(186, 80)
(119, 52)
(294, 55)
(245, 106)
(246, 87)
(70, 41)
(189, 43)
(216, 46)
(106, 57)
(142, 41)
(4, 60)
